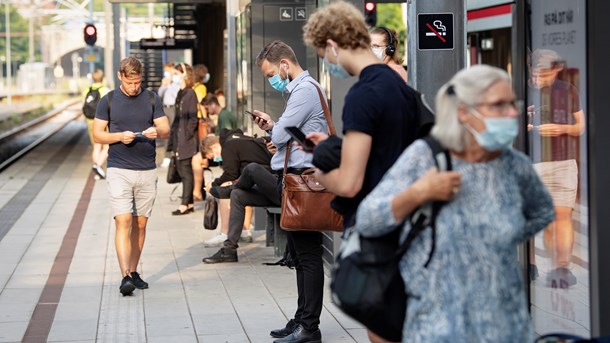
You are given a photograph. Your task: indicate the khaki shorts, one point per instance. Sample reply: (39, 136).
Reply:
(131, 191)
(90, 130)
(561, 179)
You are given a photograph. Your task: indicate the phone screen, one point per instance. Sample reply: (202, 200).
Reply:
(299, 136)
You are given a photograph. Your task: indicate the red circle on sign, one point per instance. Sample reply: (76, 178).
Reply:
(369, 6)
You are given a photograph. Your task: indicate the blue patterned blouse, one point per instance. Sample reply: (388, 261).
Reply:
(472, 291)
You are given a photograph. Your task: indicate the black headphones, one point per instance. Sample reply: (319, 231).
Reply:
(389, 49)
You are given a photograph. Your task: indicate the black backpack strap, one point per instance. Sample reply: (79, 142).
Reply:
(110, 103)
(425, 215)
(151, 96)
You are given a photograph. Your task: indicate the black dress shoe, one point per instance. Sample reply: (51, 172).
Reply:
(285, 331)
(179, 213)
(223, 255)
(300, 335)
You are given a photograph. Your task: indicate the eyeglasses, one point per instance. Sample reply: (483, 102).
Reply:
(502, 107)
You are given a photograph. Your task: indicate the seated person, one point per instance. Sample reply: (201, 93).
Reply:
(236, 151)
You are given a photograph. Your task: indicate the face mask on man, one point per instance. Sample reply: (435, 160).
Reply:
(336, 70)
(277, 82)
(499, 132)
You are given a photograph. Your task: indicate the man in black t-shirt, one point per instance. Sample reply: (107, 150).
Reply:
(379, 111)
(134, 118)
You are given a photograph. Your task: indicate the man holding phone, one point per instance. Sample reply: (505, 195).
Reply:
(259, 187)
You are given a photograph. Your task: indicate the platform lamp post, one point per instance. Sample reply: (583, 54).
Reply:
(7, 19)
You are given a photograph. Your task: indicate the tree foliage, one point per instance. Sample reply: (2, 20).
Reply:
(19, 36)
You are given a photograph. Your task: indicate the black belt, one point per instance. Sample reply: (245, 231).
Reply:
(297, 171)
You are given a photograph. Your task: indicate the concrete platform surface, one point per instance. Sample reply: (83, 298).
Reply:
(59, 274)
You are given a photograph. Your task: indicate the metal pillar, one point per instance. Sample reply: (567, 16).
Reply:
(437, 43)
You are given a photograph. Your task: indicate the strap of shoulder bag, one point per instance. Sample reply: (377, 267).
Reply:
(329, 121)
(425, 215)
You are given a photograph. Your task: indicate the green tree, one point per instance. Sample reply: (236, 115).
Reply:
(19, 36)
(390, 16)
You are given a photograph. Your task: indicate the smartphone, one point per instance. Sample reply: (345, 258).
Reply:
(254, 116)
(299, 136)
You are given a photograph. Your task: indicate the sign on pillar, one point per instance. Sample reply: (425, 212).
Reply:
(435, 31)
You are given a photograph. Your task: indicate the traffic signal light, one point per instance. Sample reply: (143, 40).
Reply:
(370, 13)
(90, 34)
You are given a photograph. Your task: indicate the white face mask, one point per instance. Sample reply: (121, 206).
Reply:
(378, 52)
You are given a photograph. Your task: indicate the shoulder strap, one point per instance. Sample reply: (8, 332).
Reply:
(151, 96)
(329, 119)
(110, 103)
(425, 215)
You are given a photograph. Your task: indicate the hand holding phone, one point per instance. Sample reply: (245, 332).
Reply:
(254, 117)
(299, 136)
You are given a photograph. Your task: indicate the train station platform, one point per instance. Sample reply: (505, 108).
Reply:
(59, 275)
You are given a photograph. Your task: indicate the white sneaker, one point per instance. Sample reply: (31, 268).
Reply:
(246, 236)
(165, 163)
(215, 241)
(99, 171)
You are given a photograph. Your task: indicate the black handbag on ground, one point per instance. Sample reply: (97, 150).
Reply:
(366, 281)
(210, 214)
(172, 171)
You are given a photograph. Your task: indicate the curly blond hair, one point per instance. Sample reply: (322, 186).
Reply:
(341, 22)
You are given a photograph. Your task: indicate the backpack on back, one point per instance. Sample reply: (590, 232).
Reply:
(91, 99)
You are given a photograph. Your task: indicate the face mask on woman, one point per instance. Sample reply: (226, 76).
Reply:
(336, 70)
(206, 78)
(277, 82)
(378, 51)
(499, 132)
(177, 79)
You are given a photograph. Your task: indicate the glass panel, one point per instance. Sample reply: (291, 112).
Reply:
(556, 109)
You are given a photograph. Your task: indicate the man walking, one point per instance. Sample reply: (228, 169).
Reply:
(135, 118)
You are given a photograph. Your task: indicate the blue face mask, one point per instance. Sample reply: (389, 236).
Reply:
(277, 82)
(217, 159)
(336, 70)
(499, 132)
(166, 74)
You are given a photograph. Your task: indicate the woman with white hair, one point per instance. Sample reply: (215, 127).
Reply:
(472, 290)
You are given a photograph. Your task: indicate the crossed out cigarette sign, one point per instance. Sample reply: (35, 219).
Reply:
(435, 31)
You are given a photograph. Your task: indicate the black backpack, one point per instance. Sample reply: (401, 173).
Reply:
(91, 99)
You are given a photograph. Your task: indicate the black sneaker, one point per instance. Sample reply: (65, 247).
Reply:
(533, 271)
(127, 286)
(222, 256)
(138, 282)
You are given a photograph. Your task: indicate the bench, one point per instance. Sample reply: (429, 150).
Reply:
(275, 236)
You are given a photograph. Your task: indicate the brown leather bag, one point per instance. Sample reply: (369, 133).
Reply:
(305, 201)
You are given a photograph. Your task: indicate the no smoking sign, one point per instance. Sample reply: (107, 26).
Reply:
(435, 31)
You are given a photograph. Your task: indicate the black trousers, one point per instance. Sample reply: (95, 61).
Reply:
(188, 182)
(256, 186)
(306, 248)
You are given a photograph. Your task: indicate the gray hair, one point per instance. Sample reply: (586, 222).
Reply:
(465, 88)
